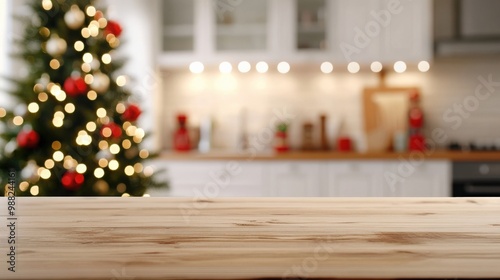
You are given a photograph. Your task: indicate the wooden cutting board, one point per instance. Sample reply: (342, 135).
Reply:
(250, 238)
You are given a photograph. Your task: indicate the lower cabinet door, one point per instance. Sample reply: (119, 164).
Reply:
(390, 178)
(295, 179)
(211, 179)
(354, 179)
(418, 179)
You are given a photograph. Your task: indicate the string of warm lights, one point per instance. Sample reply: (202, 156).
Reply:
(283, 67)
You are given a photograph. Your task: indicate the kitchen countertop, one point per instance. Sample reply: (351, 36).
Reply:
(253, 238)
(332, 155)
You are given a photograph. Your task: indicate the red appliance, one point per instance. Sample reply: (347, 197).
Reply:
(416, 140)
(181, 135)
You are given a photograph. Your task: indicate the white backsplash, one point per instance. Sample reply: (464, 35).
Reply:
(306, 93)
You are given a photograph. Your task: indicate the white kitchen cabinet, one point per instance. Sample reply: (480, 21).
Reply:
(178, 25)
(226, 30)
(355, 179)
(242, 26)
(309, 31)
(312, 24)
(353, 19)
(408, 35)
(295, 179)
(297, 31)
(379, 178)
(389, 179)
(383, 30)
(417, 179)
(211, 179)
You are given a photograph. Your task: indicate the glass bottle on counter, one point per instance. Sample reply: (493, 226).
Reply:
(181, 135)
(205, 142)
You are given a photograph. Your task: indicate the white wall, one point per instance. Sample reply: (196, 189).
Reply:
(307, 93)
(10, 29)
(454, 81)
(137, 19)
(5, 22)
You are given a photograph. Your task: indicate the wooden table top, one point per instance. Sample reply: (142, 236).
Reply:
(333, 155)
(252, 238)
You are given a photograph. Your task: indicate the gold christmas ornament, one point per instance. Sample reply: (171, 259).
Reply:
(100, 82)
(101, 187)
(30, 172)
(10, 147)
(131, 153)
(74, 18)
(55, 46)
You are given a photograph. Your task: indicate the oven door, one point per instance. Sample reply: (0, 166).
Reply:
(477, 188)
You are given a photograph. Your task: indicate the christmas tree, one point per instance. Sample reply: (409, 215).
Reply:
(73, 130)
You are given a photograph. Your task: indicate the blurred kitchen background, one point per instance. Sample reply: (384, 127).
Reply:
(457, 38)
(314, 97)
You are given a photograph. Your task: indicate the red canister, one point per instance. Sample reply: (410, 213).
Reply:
(344, 144)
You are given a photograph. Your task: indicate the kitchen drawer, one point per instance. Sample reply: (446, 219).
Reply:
(428, 178)
(295, 179)
(210, 190)
(196, 173)
(354, 179)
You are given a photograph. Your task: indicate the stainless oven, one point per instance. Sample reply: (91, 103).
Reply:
(476, 179)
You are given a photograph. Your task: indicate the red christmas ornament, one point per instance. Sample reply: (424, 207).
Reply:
(114, 28)
(75, 86)
(116, 130)
(72, 180)
(132, 113)
(28, 139)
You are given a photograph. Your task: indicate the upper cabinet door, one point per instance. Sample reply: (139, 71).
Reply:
(357, 32)
(178, 25)
(297, 179)
(407, 29)
(417, 179)
(241, 25)
(311, 22)
(383, 30)
(296, 31)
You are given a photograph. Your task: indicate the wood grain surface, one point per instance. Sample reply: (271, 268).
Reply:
(253, 238)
